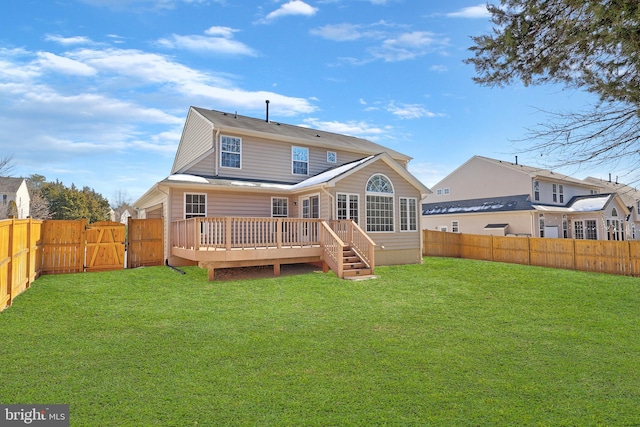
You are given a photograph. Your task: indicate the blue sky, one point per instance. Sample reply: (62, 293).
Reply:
(95, 92)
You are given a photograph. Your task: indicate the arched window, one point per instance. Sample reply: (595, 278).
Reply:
(379, 209)
(614, 212)
(379, 184)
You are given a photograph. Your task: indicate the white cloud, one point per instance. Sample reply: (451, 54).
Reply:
(293, 7)
(472, 12)
(68, 41)
(353, 128)
(64, 65)
(197, 43)
(396, 45)
(339, 32)
(410, 111)
(428, 173)
(407, 46)
(439, 68)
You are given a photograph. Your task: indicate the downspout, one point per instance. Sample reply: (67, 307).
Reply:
(216, 148)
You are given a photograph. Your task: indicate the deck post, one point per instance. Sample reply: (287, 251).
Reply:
(276, 269)
(279, 231)
(211, 273)
(228, 233)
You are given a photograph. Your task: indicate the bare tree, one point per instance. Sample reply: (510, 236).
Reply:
(6, 166)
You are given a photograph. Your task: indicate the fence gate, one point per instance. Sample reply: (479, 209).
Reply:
(146, 242)
(63, 246)
(105, 246)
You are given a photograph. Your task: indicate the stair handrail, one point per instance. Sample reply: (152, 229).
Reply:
(333, 248)
(362, 244)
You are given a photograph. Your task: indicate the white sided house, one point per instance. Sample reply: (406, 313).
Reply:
(245, 191)
(488, 196)
(14, 198)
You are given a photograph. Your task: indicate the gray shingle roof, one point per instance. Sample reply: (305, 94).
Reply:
(488, 204)
(10, 185)
(310, 136)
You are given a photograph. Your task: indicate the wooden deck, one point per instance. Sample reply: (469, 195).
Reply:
(243, 242)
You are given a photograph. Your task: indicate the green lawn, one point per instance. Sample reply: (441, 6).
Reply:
(450, 342)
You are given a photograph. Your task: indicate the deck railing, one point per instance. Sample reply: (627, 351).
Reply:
(245, 233)
(226, 233)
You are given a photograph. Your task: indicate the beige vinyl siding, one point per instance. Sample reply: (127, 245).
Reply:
(271, 161)
(356, 184)
(479, 178)
(197, 138)
(205, 167)
(225, 203)
(568, 190)
(521, 223)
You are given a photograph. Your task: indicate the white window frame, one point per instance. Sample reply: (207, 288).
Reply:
(286, 207)
(349, 197)
(406, 217)
(372, 197)
(332, 157)
(294, 160)
(447, 191)
(199, 214)
(239, 153)
(536, 190)
(561, 192)
(439, 192)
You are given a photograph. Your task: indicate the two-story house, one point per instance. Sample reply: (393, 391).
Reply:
(488, 196)
(14, 198)
(246, 191)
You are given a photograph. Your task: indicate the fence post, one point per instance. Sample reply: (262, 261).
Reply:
(10, 265)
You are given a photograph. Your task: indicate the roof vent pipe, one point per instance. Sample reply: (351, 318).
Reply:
(516, 160)
(609, 176)
(267, 102)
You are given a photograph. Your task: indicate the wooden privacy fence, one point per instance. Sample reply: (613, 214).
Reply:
(145, 245)
(600, 256)
(29, 248)
(20, 257)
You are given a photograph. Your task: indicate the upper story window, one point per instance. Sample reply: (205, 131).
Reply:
(300, 160)
(439, 191)
(447, 191)
(195, 205)
(231, 152)
(379, 204)
(332, 157)
(557, 193)
(536, 191)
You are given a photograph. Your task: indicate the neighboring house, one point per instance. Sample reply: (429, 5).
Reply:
(488, 196)
(257, 184)
(14, 198)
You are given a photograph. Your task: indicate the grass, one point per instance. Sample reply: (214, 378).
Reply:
(450, 342)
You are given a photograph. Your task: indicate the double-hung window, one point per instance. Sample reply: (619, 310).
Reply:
(408, 214)
(300, 160)
(279, 207)
(536, 191)
(231, 152)
(379, 208)
(195, 205)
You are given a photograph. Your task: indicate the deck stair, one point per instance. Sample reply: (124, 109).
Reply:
(353, 264)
